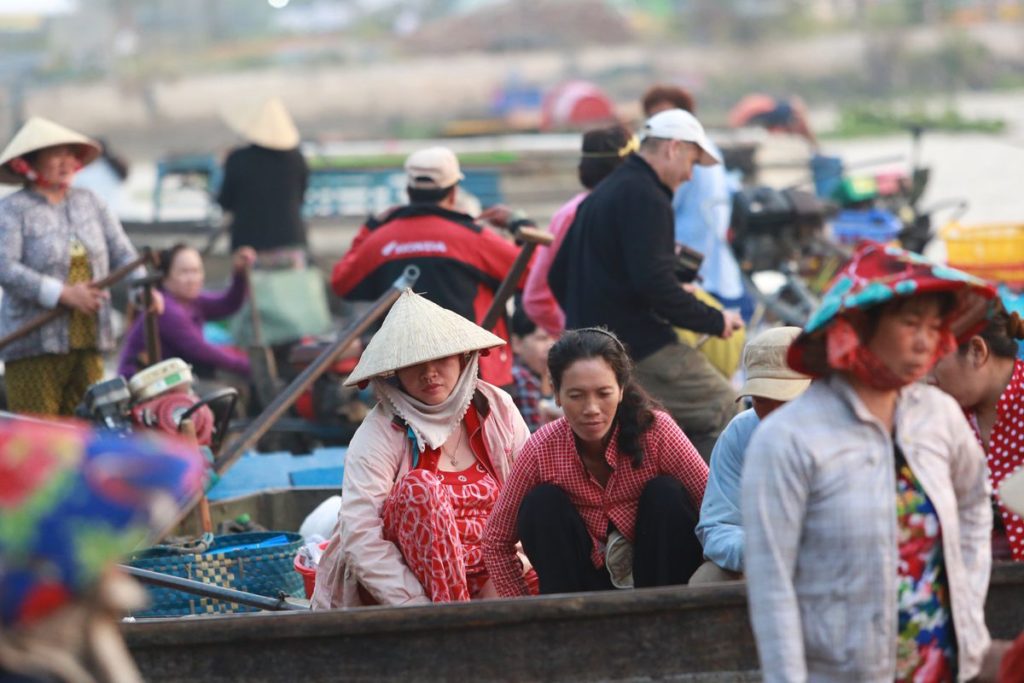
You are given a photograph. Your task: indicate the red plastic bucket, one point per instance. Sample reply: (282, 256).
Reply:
(307, 573)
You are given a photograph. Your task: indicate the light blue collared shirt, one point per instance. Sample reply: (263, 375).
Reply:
(703, 207)
(720, 530)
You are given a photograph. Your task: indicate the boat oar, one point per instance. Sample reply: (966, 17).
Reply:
(283, 401)
(261, 357)
(531, 238)
(209, 590)
(51, 315)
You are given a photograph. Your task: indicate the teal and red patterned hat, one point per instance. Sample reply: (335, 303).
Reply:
(877, 274)
(74, 501)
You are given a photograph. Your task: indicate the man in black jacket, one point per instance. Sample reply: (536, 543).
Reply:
(616, 268)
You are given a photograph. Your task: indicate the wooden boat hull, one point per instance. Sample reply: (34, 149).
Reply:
(684, 634)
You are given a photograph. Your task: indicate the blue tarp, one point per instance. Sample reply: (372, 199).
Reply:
(256, 472)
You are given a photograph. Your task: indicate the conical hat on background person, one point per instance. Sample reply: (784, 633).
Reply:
(267, 125)
(417, 330)
(39, 133)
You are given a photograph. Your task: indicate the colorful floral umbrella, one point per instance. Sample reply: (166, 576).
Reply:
(73, 501)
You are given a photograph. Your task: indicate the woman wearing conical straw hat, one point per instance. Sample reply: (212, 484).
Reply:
(54, 241)
(425, 467)
(265, 182)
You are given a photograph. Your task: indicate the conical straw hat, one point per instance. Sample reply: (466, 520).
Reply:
(268, 125)
(39, 133)
(417, 330)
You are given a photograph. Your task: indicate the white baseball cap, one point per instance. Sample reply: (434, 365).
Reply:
(678, 124)
(433, 168)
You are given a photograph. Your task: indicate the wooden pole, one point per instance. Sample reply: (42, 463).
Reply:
(152, 327)
(261, 357)
(187, 428)
(531, 238)
(210, 590)
(51, 315)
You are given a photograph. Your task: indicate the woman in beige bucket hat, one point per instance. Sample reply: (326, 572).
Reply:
(424, 468)
(54, 241)
(770, 383)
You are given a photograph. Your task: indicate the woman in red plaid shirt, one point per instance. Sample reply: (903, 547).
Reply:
(606, 497)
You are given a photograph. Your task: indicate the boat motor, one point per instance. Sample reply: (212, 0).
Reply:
(773, 227)
(107, 403)
(163, 394)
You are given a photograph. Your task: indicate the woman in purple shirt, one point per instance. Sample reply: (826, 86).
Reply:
(187, 308)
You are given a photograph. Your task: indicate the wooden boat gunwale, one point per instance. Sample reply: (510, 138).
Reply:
(698, 633)
(479, 613)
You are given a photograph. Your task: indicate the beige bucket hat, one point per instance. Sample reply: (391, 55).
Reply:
(39, 133)
(417, 330)
(267, 125)
(768, 375)
(1011, 491)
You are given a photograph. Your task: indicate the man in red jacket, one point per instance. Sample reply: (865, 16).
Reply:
(461, 263)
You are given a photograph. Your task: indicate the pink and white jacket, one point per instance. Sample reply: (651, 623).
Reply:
(379, 455)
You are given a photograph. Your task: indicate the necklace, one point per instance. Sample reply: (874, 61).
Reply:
(453, 456)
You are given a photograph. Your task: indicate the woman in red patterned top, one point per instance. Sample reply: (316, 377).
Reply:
(607, 496)
(987, 379)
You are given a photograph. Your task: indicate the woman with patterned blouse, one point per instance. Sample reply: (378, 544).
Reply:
(55, 240)
(606, 496)
(987, 380)
(864, 500)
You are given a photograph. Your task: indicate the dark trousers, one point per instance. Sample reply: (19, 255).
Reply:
(665, 550)
(694, 393)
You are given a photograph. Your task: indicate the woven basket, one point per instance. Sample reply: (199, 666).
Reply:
(264, 571)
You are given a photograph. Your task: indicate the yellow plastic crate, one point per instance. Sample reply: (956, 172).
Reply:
(994, 251)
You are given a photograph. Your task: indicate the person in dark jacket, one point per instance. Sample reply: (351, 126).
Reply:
(616, 268)
(461, 263)
(264, 184)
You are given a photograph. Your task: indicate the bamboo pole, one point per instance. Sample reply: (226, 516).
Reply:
(210, 590)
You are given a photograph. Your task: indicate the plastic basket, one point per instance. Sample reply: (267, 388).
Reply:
(993, 251)
(307, 573)
(265, 571)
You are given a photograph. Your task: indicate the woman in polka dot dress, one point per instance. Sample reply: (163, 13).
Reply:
(424, 469)
(987, 379)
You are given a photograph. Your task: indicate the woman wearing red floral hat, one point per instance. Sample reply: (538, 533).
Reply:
(54, 241)
(865, 503)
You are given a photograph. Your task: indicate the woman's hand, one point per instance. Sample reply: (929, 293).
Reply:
(156, 302)
(733, 322)
(83, 297)
(243, 259)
